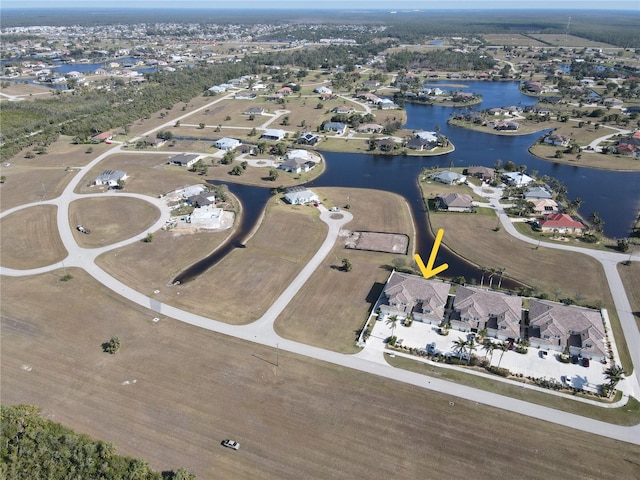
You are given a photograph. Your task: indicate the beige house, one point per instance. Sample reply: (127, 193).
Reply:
(423, 299)
(558, 327)
(475, 309)
(543, 206)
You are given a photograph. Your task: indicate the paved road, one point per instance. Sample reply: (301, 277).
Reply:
(262, 330)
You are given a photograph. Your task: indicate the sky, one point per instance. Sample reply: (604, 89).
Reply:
(332, 4)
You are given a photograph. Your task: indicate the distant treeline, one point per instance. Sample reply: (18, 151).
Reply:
(618, 28)
(33, 447)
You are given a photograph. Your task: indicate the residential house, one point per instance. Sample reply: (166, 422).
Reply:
(285, 91)
(337, 127)
(102, 137)
(420, 144)
(254, 111)
(369, 128)
(505, 126)
(536, 193)
(297, 161)
(370, 84)
(485, 173)
(323, 90)
(560, 223)
(343, 109)
(154, 141)
(516, 179)
(226, 143)
(300, 196)
(385, 144)
(448, 177)
(567, 327)
(202, 199)
(273, 134)
(411, 295)
(110, 178)
(245, 96)
(184, 160)
(386, 104)
(207, 216)
(544, 206)
(455, 202)
(557, 140)
(308, 139)
(476, 309)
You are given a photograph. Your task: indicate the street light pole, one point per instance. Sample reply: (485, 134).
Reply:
(276, 354)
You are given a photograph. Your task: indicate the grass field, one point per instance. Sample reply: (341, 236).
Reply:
(332, 320)
(286, 240)
(30, 238)
(630, 275)
(110, 219)
(175, 385)
(44, 176)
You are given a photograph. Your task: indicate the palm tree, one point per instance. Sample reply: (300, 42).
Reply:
(460, 346)
(502, 270)
(488, 346)
(471, 346)
(614, 374)
(503, 347)
(393, 321)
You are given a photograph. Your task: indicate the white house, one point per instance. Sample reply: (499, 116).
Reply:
(208, 216)
(110, 178)
(449, 178)
(300, 196)
(273, 134)
(226, 143)
(517, 179)
(322, 90)
(184, 160)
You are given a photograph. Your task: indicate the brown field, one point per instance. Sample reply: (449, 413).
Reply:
(30, 238)
(175, 385)
(149, 174)
(630, 275)
(110, 219)
(147, 267)
(331, 320)
(511, 39)
(559, 40)
(28, 91)
(260, 175)
(286, 240)
(26, 184)
(590, 160)
(45, 176)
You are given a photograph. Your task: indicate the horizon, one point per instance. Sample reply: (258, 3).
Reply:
(381, 5)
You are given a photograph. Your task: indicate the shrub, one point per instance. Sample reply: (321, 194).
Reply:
(503, 372)
(112, 346)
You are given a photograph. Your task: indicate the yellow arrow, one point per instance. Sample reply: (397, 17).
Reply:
(429, 271)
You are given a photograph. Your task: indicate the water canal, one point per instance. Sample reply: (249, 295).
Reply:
(615, 195)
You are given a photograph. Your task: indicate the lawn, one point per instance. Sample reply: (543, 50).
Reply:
(30, 238)
(110, 219)
(630, 275)
(333, 319)
(174, 384)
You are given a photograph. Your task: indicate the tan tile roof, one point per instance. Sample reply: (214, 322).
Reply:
(479, 306)
(412, 291)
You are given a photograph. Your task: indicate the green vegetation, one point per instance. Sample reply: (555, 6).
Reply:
(34, 447)
(112, 346)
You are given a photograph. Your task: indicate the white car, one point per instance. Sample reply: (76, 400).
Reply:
(231, 444)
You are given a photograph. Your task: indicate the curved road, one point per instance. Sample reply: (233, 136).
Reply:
(262, 331)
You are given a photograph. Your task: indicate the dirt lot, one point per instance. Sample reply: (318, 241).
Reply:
(332, 320)
(27, 91)
(173, 384)
(30, 238)
(110, 219)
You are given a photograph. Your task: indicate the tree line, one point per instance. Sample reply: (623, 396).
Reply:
(34, 447)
